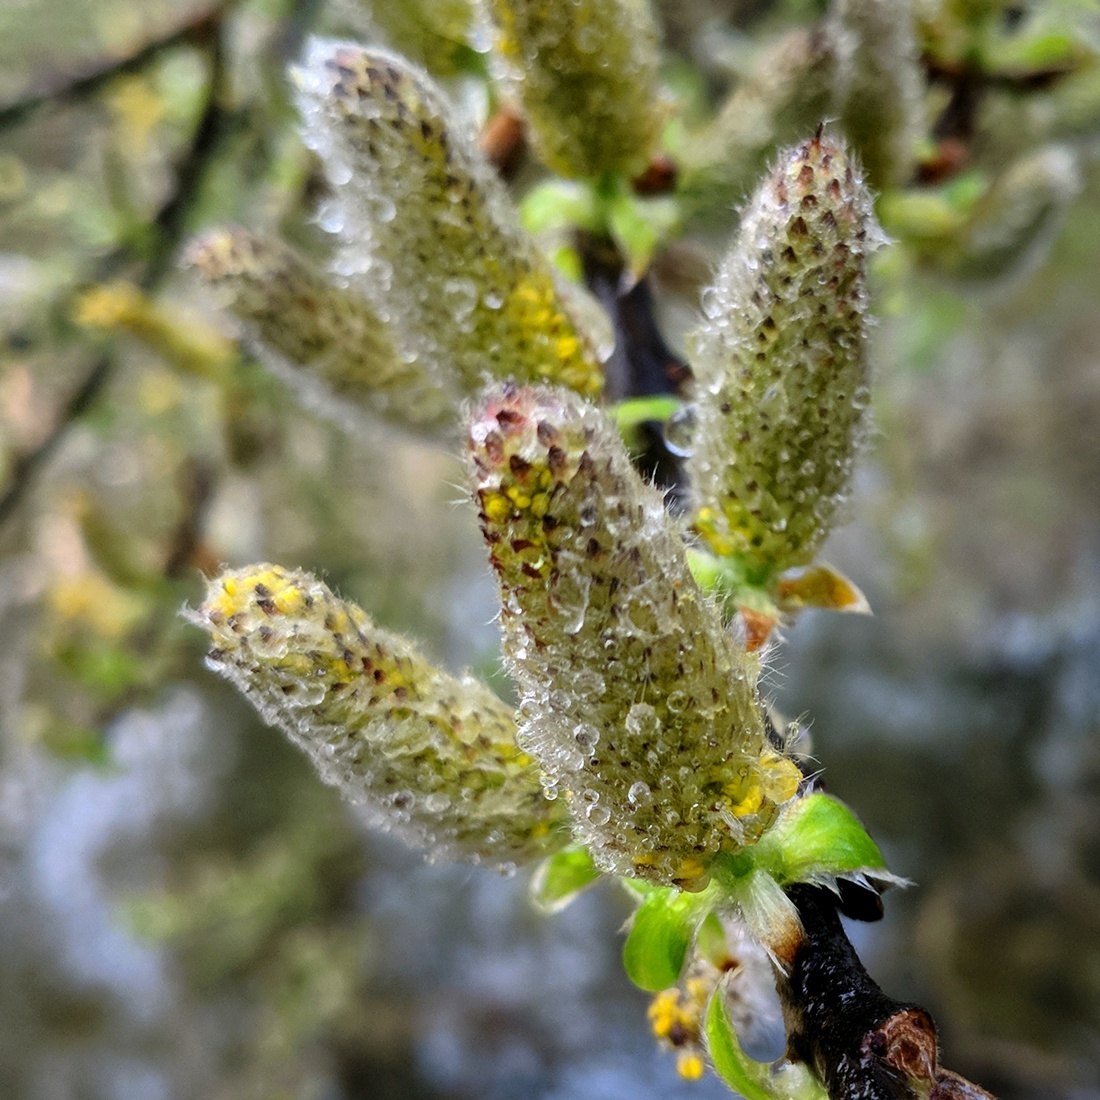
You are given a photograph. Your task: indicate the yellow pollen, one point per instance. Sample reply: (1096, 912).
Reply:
(690, 1066)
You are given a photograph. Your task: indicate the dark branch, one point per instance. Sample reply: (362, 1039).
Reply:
(642, 364)
(27, 466)
(863, 1044)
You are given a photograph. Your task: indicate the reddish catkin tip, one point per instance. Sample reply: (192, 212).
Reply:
(638, 705)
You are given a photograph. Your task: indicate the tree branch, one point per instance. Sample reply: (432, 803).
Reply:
(863, 1044)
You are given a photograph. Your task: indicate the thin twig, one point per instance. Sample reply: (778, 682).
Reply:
(72, 88)
(863, 1044)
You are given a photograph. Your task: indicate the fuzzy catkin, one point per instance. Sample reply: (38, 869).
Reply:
(297, 317)
(640, 708)
(1017, 216)
(781, 364)
(430, 756)
(428, 231)
(585, 73)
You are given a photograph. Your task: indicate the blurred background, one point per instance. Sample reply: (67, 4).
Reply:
(186, 911)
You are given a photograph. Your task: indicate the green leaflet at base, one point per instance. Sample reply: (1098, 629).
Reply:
(660, 934)
(561, 877)
(754, 1080)
(819, 838)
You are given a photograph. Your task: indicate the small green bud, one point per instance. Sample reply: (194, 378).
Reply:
(781, 364)
(638, 704)
(879, 84)
(299, 318)
(430, 235)
(431, 756)
(585, 73)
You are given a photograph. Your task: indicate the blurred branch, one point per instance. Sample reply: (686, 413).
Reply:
(169, 223)
(27, 465)
(71, 88)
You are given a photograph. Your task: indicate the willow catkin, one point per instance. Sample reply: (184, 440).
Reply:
(430, 756)
(427, 230)
(638, 705)
(781, 363)
(585, 73)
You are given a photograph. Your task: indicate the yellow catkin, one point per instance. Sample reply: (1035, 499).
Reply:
(429, 232)
(429, 755)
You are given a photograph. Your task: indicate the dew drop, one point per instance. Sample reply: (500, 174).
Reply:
(679, 432)
(331, 219)
(642, 721)
(711, 303)
(598, 815)
(384, 209)
(462, 297)
(586, 737)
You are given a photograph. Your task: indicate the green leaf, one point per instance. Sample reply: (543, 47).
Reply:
(661, 932)
(754, 1080)
(635, 411)
(559, 204)
(640, 226)
(817, 837)
(562, 877)
(731, 1063)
